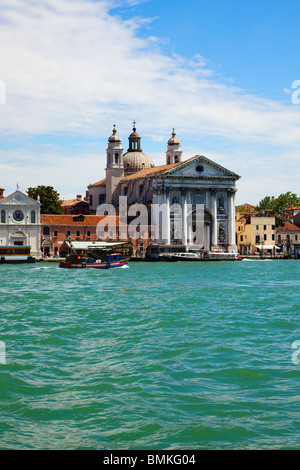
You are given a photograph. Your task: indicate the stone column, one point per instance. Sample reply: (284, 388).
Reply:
(231, 219)
(207, 240)
(166, 223)
(184, 217)
(214, 226)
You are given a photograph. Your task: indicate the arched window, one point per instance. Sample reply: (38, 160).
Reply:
(33, 217)
(3, 217)
(176, 160)
(116, 158)
(169, 161)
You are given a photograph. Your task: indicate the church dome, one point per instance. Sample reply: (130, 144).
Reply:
(114, 137)
(173, 140)
(135, 159)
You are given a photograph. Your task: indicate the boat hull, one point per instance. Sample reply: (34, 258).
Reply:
(198, 259)
(96, 265)
(16, 259)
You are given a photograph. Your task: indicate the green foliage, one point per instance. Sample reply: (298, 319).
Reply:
(279, 204)
(267, 203)
(49, 198)
(243, 209)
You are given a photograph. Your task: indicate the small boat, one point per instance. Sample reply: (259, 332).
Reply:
(203, 256)
(221, 256)
(109, 261)
(16, 254)
(184, 257)
(96, 255)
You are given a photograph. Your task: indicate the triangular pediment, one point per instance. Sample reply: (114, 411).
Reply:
(201, 167)
(19, 198)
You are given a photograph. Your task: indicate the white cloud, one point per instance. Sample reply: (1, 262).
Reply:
(73, 67)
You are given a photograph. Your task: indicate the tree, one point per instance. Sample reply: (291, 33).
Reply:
(267, 203)
(49, 198)
(279, 204)
(284, 201)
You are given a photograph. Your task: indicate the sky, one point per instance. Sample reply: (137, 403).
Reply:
(225, 74)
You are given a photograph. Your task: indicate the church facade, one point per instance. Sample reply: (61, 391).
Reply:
(20, 222)
(176, 189)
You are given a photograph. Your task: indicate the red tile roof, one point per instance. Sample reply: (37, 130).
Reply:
(72, 202)
(156, 170)
(289, 226)
(88, 220)
(99, 183)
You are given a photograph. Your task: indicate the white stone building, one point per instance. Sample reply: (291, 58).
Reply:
(20, 222)
(181, 186)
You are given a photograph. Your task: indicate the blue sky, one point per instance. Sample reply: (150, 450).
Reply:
(220, 72)
(254, 43)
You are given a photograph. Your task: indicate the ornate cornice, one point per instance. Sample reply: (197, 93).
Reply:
(231, 191)
(201, 178)
(203, 159)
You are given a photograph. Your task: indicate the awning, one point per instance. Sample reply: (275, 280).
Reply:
(267, 247)
(85, 245)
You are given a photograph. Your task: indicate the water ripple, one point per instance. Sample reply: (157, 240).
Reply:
(155, 356)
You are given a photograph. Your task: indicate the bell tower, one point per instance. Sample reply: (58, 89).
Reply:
(174, 153)
(114, 167)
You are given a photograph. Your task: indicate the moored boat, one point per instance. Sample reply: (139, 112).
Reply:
(203, 256)
(15, 254)
(96, 255)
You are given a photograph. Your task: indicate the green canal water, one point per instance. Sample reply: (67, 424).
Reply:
(153, 356)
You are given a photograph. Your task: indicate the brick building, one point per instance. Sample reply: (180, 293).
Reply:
(56, 228)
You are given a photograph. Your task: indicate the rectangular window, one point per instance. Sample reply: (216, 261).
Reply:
(257, 239)
(265, 236)
(101, 199)
(88, 233)
(55, 233)
(279, 238)
(287, 238)
(273, 227)
(273, 236)
(68, 233)
(77, 233)
(242, 238)
(91, 200)
(257, 227)
(296, 238)
(265, 227)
